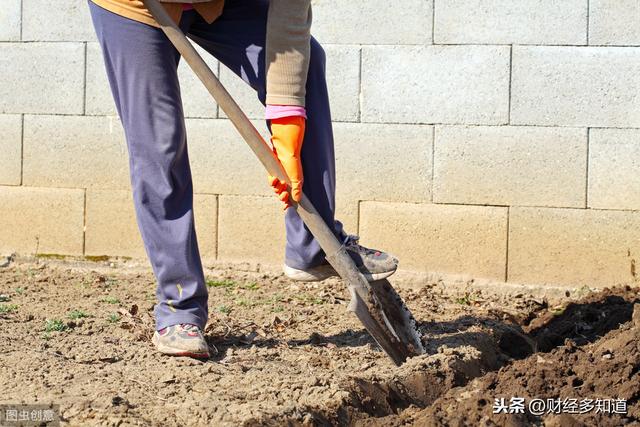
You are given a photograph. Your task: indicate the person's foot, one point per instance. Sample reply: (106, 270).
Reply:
(372, 263)
(181, 340)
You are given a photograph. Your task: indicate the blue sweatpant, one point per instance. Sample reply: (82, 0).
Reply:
(142, 67)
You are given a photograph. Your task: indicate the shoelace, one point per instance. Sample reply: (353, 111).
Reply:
(352, 242)
(189, 327)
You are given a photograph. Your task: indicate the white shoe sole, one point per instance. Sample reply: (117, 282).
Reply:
(317, 274)
(172, 351)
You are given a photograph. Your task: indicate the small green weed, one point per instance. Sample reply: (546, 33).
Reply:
(309, 299)
(251, 286)
(77, 314)
(111, 300)
(19, 290)
(467, 299)
(224, 309)
(54, 325)
(243, 302)
(8, 308)
(275, 299)
(113, 318)
(227, 284)
(111, 282)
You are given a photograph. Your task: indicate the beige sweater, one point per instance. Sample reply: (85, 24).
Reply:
(287, 45)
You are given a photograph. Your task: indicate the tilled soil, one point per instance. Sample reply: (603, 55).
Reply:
(78, 335)
(591, 350)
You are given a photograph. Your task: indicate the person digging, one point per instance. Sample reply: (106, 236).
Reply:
(269, 45)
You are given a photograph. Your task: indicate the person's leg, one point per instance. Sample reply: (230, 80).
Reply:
(237, 39)
(142, 68)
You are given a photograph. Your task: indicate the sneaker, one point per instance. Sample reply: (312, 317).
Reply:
(372, 263)
(181, 340)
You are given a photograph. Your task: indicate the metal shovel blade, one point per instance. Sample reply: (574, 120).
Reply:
(381, 310)
(397, 317)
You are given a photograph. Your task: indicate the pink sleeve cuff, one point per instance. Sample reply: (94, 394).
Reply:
(279, 111)
(187, 6)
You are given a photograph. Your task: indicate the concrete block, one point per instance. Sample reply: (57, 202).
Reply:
(112, 229)
(196, 100)
(575, 86)
(10, 20)
(452, 239)
(383, 162)
(614, 162)
(574, 247)
(205, 208)
(511, 22)
(343, 81)
(347, 212)
(372, 22)
(435, 84)
(75, 151)
(98, 100)
(62, 20)
(42, 78)
(243, 94)
(111, 225)
(221, 162)
(510, 165)
(11, 149)
(41, 220)
(91, 152)
(614, 22)
(251, 229)
(380, 162)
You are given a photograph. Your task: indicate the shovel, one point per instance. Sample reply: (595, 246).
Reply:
(377, 305)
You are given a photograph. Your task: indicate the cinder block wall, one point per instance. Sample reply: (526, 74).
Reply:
(493, 138)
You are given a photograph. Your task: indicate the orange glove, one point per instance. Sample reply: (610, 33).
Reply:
(287, 134)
